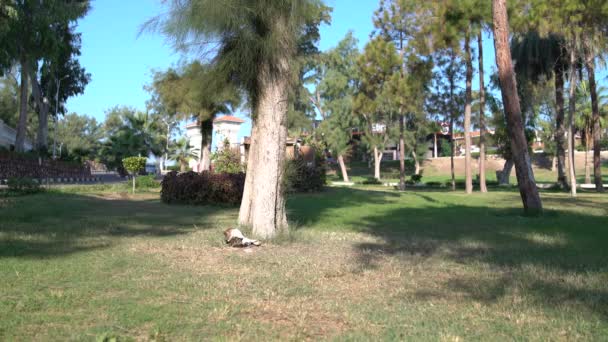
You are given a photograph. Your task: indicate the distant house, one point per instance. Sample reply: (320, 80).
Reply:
(8, 136)
(225, 128)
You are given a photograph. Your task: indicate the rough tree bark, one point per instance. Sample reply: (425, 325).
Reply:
(23, 105)
(401, 153)
(515, 126)
(468, 172)
(559, 126)
(571, 111)
(596, 130)
(343, 168)
(263, 205)
(482, 118)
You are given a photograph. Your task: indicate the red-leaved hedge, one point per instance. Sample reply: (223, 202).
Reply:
(202, 188)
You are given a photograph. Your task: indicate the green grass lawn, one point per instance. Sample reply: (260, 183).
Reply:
(86, 263)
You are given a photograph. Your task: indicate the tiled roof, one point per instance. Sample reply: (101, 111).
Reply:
(229, 118)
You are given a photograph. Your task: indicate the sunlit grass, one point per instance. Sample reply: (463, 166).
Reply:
(358, 265)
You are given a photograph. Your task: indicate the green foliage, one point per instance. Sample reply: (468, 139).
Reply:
(23, 186)
(134, 165)
(371, 181)
(182, 152)
(227, 160)
(128, 133)
(78, 136)
(146, 182)
(301, 177)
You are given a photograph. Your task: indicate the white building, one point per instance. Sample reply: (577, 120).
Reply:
(224, 128)
(8, 136)
(227, 128)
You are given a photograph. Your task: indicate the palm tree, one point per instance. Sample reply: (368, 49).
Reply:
(255, 44)
(182, 152)
(538, 59)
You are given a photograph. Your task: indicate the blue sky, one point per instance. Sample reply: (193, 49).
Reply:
(121, 61)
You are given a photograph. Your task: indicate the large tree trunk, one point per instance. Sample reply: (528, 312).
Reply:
(43, 114)
(571, 112)
(597, 163)
(468, 169)
(377, 162)
(505, 174)
(343, 168)
(248, 195)
(515, 126)
(401, 153)
(482, 118)
(559, 126)
(23, 106)
(266, 200)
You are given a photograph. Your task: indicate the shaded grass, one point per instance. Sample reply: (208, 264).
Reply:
(358, 265)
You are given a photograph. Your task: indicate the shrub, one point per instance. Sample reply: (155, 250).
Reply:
(227, 160)
(434, 184)
(134, 165)
(300, 177)
(146, 182)
(202, 188)
(371, 181)
(23, 185)
(416, 178)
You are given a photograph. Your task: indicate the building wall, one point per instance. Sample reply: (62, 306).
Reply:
(226, 130)
(195, 138)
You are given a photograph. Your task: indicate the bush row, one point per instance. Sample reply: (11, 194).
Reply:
(202, 188)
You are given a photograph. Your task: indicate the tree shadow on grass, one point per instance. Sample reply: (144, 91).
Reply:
(54, 224)
(551, 259)
(532, 255)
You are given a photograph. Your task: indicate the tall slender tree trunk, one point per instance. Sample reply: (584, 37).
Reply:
(468, 169)
(435, 145)
(206, 142)
(401, 152)
(266, 201)
(515, 126)
(343, 168)
(452, 148)
(23, 106)
(587, 169)
(377, 162)
(482, 118)
(559, 126)
(596, 128)
(452, 117)
(571, 111)
(416, 163)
